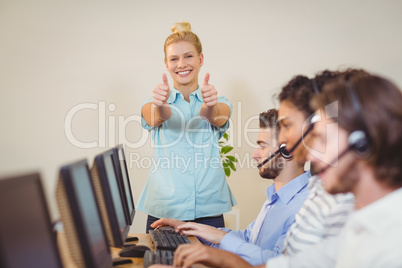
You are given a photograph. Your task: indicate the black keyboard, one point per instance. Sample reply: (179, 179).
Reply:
(158, 257)
(167, 239)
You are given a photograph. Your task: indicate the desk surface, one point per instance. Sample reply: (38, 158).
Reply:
(144, 239)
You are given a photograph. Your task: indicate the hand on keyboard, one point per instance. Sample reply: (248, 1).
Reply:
(164, 221)
(209, 233)
(187, 255)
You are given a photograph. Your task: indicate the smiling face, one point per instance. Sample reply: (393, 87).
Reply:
(292, 121)
(267, 145)
(328, 141)
(183, 63)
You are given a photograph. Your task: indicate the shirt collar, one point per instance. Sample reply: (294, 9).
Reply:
(270, 192)
(198, 94)
(174, 93)
(288, 191)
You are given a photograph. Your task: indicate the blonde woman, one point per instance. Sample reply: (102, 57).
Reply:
(186, 120)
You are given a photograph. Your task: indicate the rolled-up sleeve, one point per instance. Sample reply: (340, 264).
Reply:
(143, 122)
(238, 242)
(255, 255)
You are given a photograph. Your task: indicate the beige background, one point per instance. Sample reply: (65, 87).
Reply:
(55, 55)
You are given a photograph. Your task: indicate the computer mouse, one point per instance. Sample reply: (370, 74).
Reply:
(134, 251)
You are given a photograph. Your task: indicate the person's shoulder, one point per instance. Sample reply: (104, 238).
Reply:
(225, 100)
(148, 101)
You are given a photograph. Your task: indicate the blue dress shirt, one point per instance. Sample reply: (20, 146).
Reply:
(186, 180)
(277, 219)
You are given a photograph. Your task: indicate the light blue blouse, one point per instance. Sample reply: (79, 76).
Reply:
(186, 180)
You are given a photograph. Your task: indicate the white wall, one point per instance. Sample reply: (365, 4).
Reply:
(55, 55)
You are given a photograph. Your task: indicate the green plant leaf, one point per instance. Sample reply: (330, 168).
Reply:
(231, 158)
(232, 166)
(226, 149)
(227, 171)
(227, 161)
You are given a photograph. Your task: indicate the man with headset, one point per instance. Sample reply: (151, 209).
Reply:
(357, 144)
(368, 126)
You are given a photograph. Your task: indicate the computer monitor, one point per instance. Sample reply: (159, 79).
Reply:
(109, 199)
(81, 219)
(124, 182)
(26, 235)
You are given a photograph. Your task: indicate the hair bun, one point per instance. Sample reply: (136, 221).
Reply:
(181, 27)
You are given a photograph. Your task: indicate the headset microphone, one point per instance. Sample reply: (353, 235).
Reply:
(284, 153)
(282, 150)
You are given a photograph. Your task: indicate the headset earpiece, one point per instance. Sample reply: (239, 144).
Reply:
(358, 142)
(358, 139)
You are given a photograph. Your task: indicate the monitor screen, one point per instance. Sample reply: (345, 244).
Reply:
(124, 181)
(115, 192)
(87, 222)
(112, 199)
(26, 235)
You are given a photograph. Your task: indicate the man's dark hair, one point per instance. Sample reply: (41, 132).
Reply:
(269, 119)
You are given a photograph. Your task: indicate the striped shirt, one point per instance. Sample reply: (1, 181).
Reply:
(321, 216)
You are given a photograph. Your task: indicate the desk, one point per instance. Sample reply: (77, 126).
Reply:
(143, 239)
